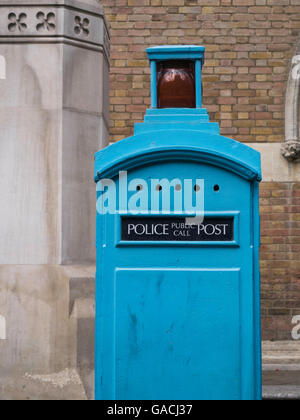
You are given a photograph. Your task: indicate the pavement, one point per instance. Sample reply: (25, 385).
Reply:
(281, 379)
(64, 386)
(281, 370)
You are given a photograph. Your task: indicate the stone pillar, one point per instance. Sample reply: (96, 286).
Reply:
(53, 118)
(54, 115)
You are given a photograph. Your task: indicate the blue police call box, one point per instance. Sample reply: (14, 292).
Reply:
(178, 235)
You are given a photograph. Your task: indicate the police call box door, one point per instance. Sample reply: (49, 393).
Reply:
(177, 309)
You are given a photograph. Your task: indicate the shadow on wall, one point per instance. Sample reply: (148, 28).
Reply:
(82, 308)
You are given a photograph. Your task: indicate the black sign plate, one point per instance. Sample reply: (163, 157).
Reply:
(212, 229)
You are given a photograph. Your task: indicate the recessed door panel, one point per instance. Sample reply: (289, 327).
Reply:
(177, 334)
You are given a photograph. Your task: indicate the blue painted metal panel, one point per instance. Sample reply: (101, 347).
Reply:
(188, 144)
(187, 335)
(153, 85)
(176, 52)
(198, 72)
(189, 257)
(180, 320)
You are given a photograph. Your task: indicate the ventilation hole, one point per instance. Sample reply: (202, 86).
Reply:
(216, 188)
(178, 187)
(196, 188)
(158, 187)
(139, 187)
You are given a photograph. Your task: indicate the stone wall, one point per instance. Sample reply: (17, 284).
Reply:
(53, 119)
(250, 44)
(280, 262)
(54, 71)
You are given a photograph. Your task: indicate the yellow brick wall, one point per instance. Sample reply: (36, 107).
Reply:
(249, 47)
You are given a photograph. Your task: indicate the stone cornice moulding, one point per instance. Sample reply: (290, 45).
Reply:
(291, 147)
(57, 21)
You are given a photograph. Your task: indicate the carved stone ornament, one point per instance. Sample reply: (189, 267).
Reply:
(291, 150)
(17, 22)
(291, 147)
(82, 26)
(46, 22)
(72, 22)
